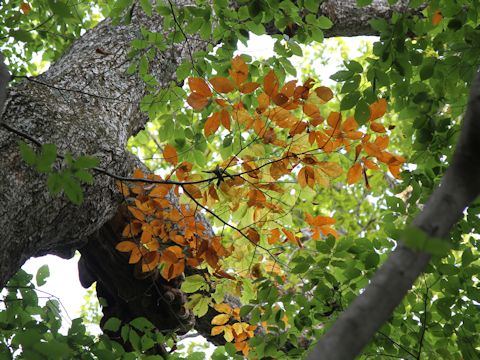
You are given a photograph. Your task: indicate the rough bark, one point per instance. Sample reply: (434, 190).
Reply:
(85, 104)
(349, 20)
(460, 186)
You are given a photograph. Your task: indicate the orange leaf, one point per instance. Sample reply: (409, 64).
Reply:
(25, 7)
(222, 84)
(212, 124)
(223, 308)
(378, 109)
(160, 190)
(382, 142)
(135, 256)
(249, 87)
(132, 229)
(125, 246)
(289, 88)
(291, 237)
(170, 154)
(310, 110)
(354, 173)
(369, 164)
(274, 236)
(216, 330)
(137, 213)
(200, 86)
(239, 70)
(270, 84)
(324, 93)
(193, 191)
(379, 128)
(225, 119)
(350, 124)
(197, 101)
(306, 177)
(437, 17)
(334, 120)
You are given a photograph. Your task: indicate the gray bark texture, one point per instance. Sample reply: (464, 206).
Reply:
(354, 329)
(87, 104)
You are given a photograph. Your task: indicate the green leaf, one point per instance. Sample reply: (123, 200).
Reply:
(245, 310)
(311, 5)
(84, 175)
(42, 273)
(60, 8)
(142, 324)
(146, 6)
(86, 162)
(354, 66)
(184, 70)
(324, 23)
(362, 112)
(193, 283)
(426, 72)
(342, 75)
(73, 190)
(295, 48)
(46, 158)
(362, 3)
(27, 153)
(112, 324)
(349, 100)
(55, 182)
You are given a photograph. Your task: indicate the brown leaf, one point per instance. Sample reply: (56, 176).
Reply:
(212, 124)
(270, 84)
(354, 173)
(222, 84)
(170, 154)
(199, 86)
(324, 93)
(197, 101)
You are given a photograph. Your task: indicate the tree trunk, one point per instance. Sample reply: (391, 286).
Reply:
(87, 104)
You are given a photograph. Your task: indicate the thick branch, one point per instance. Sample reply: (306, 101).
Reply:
(86, 103)
(460, 186)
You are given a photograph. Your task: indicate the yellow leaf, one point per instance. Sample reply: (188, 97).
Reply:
(228, 335)
(220, 319)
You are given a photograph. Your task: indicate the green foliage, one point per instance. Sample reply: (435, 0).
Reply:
(67, 178)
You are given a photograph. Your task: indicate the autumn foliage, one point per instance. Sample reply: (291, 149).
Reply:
(294, 120)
